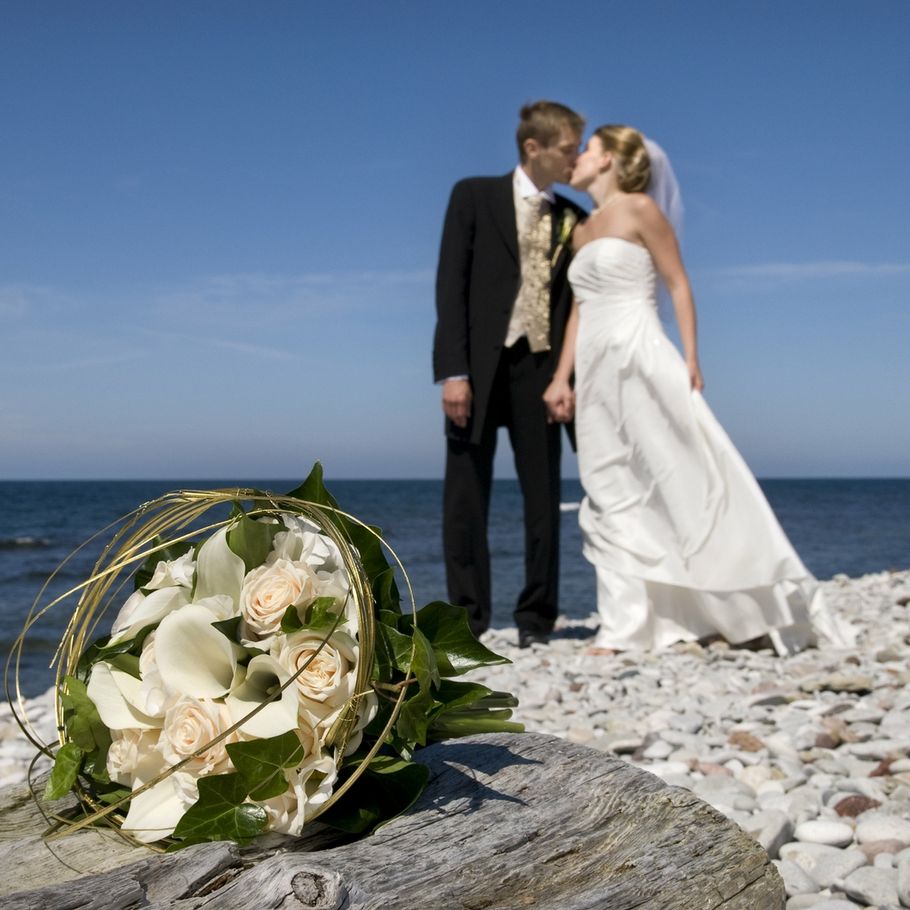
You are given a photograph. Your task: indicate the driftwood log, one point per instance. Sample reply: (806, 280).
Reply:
(506, 822)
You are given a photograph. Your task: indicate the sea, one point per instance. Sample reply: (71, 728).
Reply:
(849, 526)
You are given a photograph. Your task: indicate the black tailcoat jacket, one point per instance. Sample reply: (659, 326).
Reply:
(476, 285)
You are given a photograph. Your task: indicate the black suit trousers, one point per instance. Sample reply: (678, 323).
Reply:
(515, 402)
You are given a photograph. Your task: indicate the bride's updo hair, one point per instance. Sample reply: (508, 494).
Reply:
(633, 165)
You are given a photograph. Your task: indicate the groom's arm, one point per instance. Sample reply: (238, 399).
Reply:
(451, 354)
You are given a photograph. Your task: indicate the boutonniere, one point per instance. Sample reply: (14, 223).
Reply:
(566, 226)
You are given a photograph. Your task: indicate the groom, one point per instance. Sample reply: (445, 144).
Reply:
(502, 301)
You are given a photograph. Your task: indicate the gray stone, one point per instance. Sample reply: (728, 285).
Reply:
(823, 831)
(880, 826)
(872, 886)
(821, 902)
(771, 828)
(796, 879)
(825, 864)
(902, 861)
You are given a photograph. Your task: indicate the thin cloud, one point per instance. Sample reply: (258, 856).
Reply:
(242, 347)
(810, 271)
(251, 298)
(49, 365)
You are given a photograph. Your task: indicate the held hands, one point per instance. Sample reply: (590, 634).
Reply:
(456, 401)
(560, 401)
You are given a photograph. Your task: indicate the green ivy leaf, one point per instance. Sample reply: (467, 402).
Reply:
(322, 615)
(220, 813)
(101, 650)
(414, 720)
(229, 628)
(387, 788)
(128, 663)
(65, 771)
(424, 666)
(385, 591)
(81, 718)
(291, 621)
(394, 645)
(252, 540)
(456, 649)
(313, 489)
(372, 558)
(261, 763)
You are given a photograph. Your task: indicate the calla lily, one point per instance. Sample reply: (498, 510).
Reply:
(218, 569)
(194, 658)
(154, 814)
(263, 676)
(115, 694)
(141, 610)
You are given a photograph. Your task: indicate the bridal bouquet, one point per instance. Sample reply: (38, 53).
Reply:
(261, 674)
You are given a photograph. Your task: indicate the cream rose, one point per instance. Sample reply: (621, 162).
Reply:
(327, 674)
(268, 591)
(190, 725)
(133, 752)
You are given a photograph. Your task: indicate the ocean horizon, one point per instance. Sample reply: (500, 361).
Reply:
(852, 526)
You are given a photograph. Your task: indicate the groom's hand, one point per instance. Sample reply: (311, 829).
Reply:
(456, 401)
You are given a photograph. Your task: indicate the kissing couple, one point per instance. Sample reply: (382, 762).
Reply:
(547, 316)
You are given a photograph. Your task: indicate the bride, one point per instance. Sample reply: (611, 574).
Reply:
(682, 540)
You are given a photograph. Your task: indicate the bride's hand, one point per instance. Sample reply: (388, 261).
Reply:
(695, 377)
(560, 401)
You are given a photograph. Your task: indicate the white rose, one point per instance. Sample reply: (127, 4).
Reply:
(309, 786)
(133, 752)
(190, 725)
(152, 698)
(303, 542)
(326, 679)
(268, 591)
(174, 573)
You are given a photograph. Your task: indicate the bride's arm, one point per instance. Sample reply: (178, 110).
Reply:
(659, 238)
(559, 397)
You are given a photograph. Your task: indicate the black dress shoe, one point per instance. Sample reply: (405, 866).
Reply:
(528, 637)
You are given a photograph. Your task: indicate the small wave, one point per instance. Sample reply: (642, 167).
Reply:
(24, 543)
(569, 506)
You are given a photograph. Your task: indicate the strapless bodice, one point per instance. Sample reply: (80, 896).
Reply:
(613, 271)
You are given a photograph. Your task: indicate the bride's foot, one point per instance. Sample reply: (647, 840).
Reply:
(598, 651)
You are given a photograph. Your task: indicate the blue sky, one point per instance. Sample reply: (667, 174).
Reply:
(220, 220)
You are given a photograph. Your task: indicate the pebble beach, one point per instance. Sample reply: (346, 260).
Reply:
(809, 754)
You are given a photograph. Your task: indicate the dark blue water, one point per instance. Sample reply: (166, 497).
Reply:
(850, 526)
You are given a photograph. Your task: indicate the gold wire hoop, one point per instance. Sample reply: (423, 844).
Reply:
(132, 544)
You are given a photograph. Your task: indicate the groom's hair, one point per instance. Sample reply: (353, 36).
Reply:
(543, 121)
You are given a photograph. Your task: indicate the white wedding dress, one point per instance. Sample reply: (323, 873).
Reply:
(683, 542)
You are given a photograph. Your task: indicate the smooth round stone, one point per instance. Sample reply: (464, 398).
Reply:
(754, 776)
(822, 831)
(796, 879)
(883, 827)
(824, 863)
(903, 877)
(658, 750)
(877, 887)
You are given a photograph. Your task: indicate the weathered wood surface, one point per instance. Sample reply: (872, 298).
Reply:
(507, 822)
